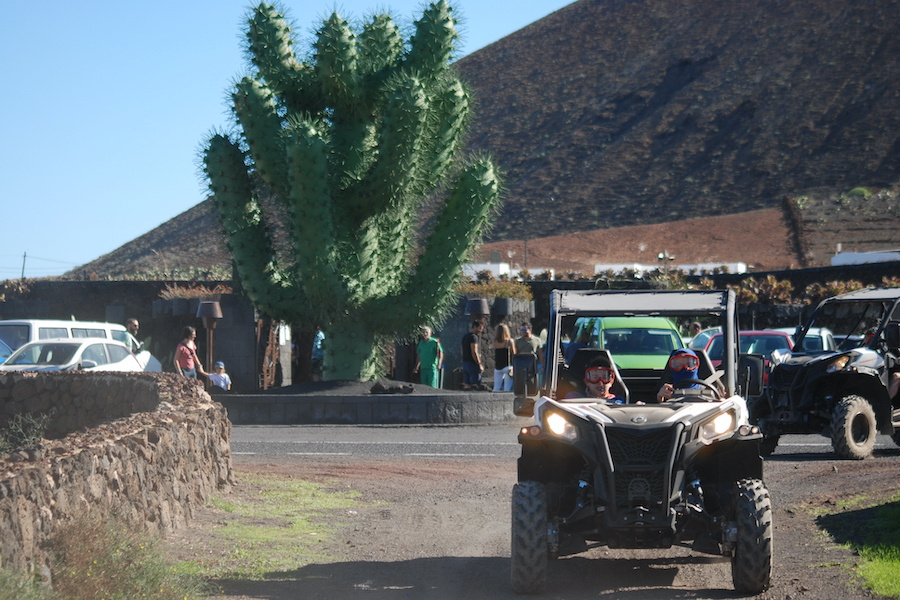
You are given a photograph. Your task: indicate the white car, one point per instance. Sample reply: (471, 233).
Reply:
(73, 354)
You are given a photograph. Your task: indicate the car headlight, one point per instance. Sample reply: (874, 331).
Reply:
(560, 426)
(838, 364)
(721, 425)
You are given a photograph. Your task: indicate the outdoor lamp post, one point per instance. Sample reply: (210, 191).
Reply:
(210, 312)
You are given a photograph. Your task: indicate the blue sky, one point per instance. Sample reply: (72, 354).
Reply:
(104, 105)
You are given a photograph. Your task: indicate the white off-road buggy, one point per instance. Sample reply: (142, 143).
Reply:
(635, 472)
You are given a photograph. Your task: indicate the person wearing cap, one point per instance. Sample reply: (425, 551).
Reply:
(599, 377)
(219, 377)
(683, 364)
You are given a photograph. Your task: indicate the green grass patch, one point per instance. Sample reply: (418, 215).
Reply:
(873, 531)
(279, 527)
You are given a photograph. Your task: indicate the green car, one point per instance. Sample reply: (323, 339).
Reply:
(633, 342)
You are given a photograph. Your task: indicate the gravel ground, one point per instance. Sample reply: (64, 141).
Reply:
(439, 529)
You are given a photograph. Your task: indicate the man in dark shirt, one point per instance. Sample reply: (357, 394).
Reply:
(472, 366)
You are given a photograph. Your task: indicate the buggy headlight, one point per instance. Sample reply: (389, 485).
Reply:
(560, 426)
(721, 425)
(838, 364)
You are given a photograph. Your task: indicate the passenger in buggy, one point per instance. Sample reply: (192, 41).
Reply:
(599, 377)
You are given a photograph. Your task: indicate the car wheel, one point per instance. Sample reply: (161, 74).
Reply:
(751, 561)
(853, 428)
(529, 553)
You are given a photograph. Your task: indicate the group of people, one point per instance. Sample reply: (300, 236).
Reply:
(504, 347)
(188, 363)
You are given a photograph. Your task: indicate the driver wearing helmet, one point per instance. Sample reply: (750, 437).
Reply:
(598, 380)
(683, 364)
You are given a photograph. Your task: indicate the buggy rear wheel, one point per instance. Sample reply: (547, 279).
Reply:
(529, 552)
(853, 428)
(751, 561)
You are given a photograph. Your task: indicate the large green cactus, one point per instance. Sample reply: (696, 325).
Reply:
(353, 143)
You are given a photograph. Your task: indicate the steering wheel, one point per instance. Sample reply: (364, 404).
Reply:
(686, 382)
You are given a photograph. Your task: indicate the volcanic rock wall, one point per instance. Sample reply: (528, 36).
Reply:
(146, 448)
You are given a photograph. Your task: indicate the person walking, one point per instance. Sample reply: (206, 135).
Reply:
(429, 358)
(504, 350)
(186, 360)
(527, 343)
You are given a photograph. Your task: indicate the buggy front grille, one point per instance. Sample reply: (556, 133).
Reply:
(641, 460)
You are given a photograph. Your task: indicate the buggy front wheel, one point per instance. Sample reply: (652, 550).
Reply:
(751, 561)
(529, 551)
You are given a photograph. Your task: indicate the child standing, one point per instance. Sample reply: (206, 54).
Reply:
(219, 377)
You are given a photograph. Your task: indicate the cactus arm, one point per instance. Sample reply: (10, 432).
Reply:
(270, 48)
(380, 48)
(311, 223)
(431, 46)
(244, 227)
(464, 218)
(255, 108)
(336, 62)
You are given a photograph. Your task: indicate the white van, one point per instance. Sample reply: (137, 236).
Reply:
(18, 332)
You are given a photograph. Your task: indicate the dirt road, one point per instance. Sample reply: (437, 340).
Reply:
(440, 530)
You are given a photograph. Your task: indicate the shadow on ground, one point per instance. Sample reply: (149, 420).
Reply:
(476, 578)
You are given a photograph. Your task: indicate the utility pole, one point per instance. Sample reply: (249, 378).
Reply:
(24, 256)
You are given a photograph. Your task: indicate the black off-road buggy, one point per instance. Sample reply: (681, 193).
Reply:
(842, 393)
(638, 473)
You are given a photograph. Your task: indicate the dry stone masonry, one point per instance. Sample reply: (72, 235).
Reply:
(147, 448)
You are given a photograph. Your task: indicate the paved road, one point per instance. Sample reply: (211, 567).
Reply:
(471, 442)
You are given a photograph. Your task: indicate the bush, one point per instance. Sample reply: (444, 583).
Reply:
(23, 430)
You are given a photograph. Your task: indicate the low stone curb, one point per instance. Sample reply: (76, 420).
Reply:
(368, 409)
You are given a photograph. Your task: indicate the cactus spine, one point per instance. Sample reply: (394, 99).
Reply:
(353, 144)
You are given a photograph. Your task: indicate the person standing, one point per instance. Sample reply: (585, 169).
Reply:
(219, 377)
(132, 326)
(504, 350)
(318, 354)
(472, 366)
(429, 358)
(529, 344)
(186, 360)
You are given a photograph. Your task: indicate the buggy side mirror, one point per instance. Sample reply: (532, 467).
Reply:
(751, 368)
(525, 386)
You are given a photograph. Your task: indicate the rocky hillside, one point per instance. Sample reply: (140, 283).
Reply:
(620, 113)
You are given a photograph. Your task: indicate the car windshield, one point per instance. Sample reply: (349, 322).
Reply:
(763, 344)
(634, 340)
(848, 321)
(44, 354)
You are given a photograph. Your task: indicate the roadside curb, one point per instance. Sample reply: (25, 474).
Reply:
(368, 409)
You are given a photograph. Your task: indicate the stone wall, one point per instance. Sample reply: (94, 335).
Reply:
(152, 466)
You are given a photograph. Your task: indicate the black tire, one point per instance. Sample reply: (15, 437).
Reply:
(751, 562)
(853, 429)
(529, 553)
(768, 444)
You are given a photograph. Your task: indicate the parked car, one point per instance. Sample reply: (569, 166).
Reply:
(5, 351)
(18, 332)
(764, 341)
(701, 340)
(817, 338)
(636, 342)
(67, 354)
